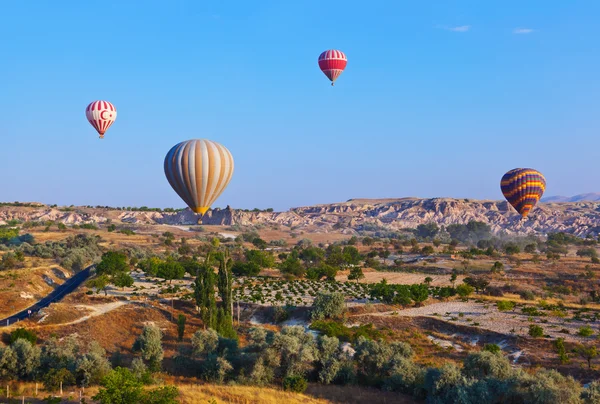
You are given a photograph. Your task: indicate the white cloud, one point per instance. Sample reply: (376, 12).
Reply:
(462, 28)
(523, 31)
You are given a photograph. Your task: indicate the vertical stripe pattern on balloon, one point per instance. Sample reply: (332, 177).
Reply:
(199, 171)
(523, 188)
(332, 62)
(101, 115)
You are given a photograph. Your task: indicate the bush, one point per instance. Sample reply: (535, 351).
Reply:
(527, 295)
(585, 331)
(464, 290)
(505, 305)
(328, 306)
(493, 348)
(23, 333)
(297, 384)
(344, 333)
(487, 364)
(149, 343)
(280, 314)
(119, 386)
(536, 331)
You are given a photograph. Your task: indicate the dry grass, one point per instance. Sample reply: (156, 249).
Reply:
(202, 393)
(61, 313)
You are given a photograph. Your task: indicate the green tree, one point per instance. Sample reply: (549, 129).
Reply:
(23, 333)
(588, 353)
(559, 344)
(240, 268)
(356, 273)
(204, 294)
(149, 343)
(170, 270)
(328, 305)
(224, 285)
(464, 290)
(453, 276)
(180, 326)
(351, 255)
(120, 387)
(368, 241)
(150, 265)
(497, 267)
(112, 263)
(478, 282)
(264, 259)
(427, 231)
(419, 293)
(259, 243)
(292, 266)
(58, 378)
(122, 280)
(427, 250)
(99, 283)
(530, 248)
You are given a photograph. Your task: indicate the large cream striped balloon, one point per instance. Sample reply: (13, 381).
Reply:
(199, 171)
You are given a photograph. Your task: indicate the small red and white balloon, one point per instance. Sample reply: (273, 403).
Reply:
(332, 63)
(101, 115)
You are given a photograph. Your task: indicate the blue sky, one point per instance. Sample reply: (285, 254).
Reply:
(439, 98)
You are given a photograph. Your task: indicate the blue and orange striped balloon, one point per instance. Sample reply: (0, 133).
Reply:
(523, 188)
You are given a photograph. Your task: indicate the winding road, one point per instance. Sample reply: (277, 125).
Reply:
(61, 291)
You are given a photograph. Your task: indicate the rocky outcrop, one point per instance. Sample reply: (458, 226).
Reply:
(580, 218)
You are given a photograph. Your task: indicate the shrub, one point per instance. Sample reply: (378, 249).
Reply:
(532, 311)
(591, 395)
(536, 331)
(297, 384)
(149, 343)
(119, 386)
(464, 290)
(487, 364)
(280, 314)
(205, 341)
(344, 333)
(549, 386)
(527, 295)
(505, 305)
(493, 348)
(585, 331)
(328, 305)
(23, 333)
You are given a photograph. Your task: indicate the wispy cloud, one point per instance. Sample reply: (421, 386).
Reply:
(522, 31)
(460, 28)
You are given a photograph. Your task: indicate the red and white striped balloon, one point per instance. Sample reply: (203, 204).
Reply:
(332, 62)
(101, 114)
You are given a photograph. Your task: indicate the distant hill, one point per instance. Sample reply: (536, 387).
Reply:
(590, 197)
(352, 217)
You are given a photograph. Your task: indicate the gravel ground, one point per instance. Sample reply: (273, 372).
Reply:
(489, 318)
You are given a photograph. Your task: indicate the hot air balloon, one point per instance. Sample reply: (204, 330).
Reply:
(101, 114)
(523, 188)
(199, 170)
(332, 62)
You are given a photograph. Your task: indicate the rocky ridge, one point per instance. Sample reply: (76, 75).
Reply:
(580, 218)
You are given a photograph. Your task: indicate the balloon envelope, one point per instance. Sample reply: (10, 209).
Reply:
(523, 188)
(332, 62)
(101, 114)
(199, 171)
